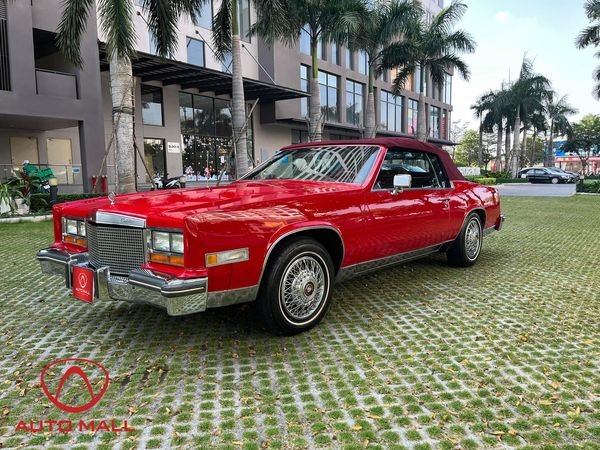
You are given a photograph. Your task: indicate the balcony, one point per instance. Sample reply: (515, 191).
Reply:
(57, 84)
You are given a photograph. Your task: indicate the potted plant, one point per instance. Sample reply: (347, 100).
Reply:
(20, 188)
(7, 204)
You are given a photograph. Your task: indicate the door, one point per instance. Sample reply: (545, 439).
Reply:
(154, 155)
(21, 149)
(60, 159)
(416, 217)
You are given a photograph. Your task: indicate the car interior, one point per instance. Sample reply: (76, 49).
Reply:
(425, 169)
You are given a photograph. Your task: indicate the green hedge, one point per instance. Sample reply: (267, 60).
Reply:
(41, 202)
(592, 188)
(482, 180)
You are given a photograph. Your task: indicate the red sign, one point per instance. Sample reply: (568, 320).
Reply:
(83, 284)
(75, 368)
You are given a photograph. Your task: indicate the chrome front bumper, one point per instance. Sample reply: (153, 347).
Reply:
(178, 296)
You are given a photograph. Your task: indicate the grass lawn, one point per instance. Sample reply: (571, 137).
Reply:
(504, 354)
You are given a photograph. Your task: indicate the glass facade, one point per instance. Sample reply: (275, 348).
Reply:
(204, 15)
(335, 53)
(152, 105)
(304, 86)
(226, 65)
(206, 135)
(195, 51)
(390, 112)
(434, 122)
(154, 154)
(349, 59)
(328, 84)
(413, 116)
(354, 102)
(447, 94)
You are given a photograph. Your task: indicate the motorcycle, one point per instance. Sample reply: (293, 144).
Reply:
(165, 182)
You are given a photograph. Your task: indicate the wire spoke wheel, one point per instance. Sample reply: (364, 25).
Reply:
(473, 239)
(303, 287)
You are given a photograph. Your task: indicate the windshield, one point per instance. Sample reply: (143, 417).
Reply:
(342, 164)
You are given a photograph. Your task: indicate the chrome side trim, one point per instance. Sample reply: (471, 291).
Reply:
(119, 219)
(232, 297)
(362, 268)
(290, 233)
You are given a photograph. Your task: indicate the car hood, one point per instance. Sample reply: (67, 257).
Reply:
(170, 207)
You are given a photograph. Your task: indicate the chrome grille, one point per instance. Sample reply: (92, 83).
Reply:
(120, 248)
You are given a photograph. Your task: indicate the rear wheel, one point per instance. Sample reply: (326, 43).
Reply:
(554, 181)
(466, 248)
(296, 289)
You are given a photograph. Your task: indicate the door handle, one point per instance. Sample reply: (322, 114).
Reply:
(446, 202)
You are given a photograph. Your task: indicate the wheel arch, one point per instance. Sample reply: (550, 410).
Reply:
(326, 235)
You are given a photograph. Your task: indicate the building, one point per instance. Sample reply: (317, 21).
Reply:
(61, 116)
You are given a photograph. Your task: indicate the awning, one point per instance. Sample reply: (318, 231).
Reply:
(154, 68)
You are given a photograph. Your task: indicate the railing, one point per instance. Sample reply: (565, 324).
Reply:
(66, 174)
(60, 84)
(4, 61)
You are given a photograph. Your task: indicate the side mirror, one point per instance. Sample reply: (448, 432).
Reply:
(400, 182)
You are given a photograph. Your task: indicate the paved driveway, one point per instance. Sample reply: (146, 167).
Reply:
(503, 354)
(536, 190)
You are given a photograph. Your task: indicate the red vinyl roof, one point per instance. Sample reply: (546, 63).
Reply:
(389, 142)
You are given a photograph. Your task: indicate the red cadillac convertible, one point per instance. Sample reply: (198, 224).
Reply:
(312, 215)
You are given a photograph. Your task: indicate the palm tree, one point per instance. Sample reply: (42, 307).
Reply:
(381, 25)
(527, 94)
(591, 35)
(557, 110)
(116, 21)
(496, 106)
(321, 20)
(538, 121)
(435, 49)
(226, 39)
(479, 109)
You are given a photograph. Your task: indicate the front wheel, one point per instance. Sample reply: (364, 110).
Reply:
(296, 290)
(554, 181)
(466, 248)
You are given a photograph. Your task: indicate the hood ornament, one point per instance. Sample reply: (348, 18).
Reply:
(111, 197)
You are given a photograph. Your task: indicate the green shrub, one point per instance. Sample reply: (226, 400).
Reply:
(41, 202)
(482, 180)
(592, 188)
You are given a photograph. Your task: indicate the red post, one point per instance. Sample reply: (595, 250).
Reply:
(104, 184)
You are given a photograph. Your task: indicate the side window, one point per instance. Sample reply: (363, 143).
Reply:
(426, 170)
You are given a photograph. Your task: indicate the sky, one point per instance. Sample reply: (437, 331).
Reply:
(545, 31)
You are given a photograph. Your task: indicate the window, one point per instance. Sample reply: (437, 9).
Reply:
(244, 19)
(425, 169)
(413, 116)
(444, 131)
(204, 15)
(321, 50)
(152, 47)
(447, 89)
(305, 42)
(299, 136)
(304, 86)
(154, 154)
(363, 63)
(139, 3)
(328, 85)
(354, 102)
(349, 59)
(226, 66)
(434, 122)
(195, 52)
(335, 53)
(390, 116)
(152, 105)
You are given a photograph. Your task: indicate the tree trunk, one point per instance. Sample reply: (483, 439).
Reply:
(316, 115)
(532, 159)
(549, 157)
(121, 88)
(480, 151)
(499, 149)
(523, 149)
(506, 147)
(421, 115)
(238, 102)
(514, 163)
(370, 125)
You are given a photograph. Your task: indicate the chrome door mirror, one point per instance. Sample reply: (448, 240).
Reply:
(400, 182)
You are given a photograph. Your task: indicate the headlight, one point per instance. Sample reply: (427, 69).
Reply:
(74, 232)
(161, 241)
(166, 248)
(177, 243)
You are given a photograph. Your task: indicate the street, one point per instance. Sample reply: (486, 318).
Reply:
(536, 190)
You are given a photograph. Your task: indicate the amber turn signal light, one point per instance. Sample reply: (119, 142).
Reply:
(75, 240)
(163, 258)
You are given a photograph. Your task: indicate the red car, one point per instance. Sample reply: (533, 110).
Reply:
(312, 215)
